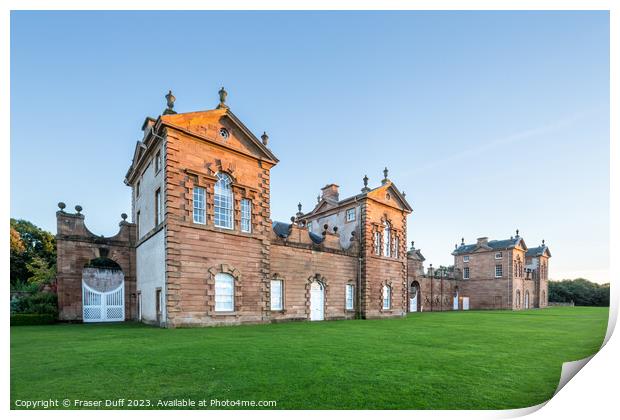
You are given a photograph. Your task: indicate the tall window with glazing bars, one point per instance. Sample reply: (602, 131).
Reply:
(223, 202)
(199, 205)
(246, 215)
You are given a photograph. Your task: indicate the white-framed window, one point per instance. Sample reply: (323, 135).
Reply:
(395, 246)
(351, 214)
(465, 258)
(246, 215)
(378, 243)
(157, 161)
(466, 273)
(277, 297)
(387, 297)
(158, 207)
(199, 205)
(498, 255)
(387, 239)
(499, 270)
(224, 292)
(223, 202)
(349, 293)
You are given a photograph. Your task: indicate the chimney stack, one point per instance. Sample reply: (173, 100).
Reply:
(482, 241)
(330, 193)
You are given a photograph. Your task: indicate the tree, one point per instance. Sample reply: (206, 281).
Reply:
(28, 242)
(580, 291)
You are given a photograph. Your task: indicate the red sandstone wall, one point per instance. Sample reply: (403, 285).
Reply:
(297, 265)
(76, 246)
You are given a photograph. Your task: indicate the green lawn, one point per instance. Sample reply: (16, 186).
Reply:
(449, 360)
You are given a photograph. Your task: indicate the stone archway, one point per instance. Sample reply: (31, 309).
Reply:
(316, 297)
(103, 291)
(455, 299)
(78, 248)
(415, 297)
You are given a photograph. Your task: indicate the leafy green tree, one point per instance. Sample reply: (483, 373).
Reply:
(30, 246)
(580, 291)
(40, 270)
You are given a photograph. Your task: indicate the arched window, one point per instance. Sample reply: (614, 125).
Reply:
(223, 202)
(224, 292)
(518, 299)
(387, 297)
(387, 239)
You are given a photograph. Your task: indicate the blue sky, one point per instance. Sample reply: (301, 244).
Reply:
(490, 121)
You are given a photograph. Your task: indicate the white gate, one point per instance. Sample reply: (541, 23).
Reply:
(413, 304)
(465, 303)
(317, 301)
(103, 306)
(455, 302)
(527, 300)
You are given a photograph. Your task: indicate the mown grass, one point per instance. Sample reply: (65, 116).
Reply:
(449, 360)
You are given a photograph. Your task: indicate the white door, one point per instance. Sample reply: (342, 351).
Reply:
(465, 303)
(413, 304)
(527, 300)
(103, 306)
(455, 303)
(317, 301)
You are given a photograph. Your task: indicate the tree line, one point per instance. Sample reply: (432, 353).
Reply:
(580, 291)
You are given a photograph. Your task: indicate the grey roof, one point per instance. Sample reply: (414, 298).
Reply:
(492, 245)
(538, 251)
(283, 230)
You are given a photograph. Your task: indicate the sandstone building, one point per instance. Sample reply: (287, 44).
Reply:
(203, 249)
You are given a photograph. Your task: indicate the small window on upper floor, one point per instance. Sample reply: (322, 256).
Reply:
(499, 271)
(465, 258)
(350, 215)
(199, 202)
(157, 161)
(246, 215)
(466, 273)
(498, 255)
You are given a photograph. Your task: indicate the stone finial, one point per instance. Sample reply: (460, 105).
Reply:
(318, 198)
(385, 176)
(543, 242)
(462, 241)
(404, 194)
(78, 208)
(293, 219)
(365, 179)
(265, 138)
(335, 229)
(223, 94)
(124, 217)
(62, 206)
(455, 246)
(412, 245)
(170, 98)
(517, 233)
(299, 207)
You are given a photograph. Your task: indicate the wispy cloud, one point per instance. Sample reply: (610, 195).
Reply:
(493, 144)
